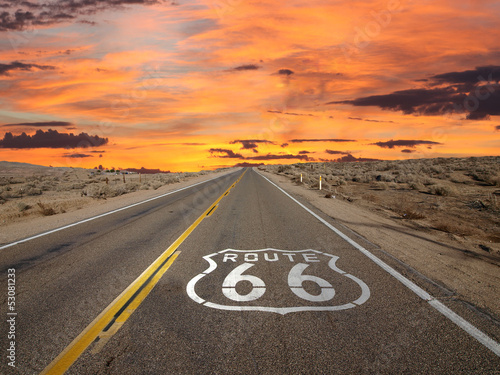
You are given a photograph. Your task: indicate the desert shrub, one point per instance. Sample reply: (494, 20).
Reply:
(131, 186)
(156, 184)
(416, 185)
(32, 191)
(442, 190)
(97, 191)
(379, 186)
(284, 168)
(45, 210)
(23, 206)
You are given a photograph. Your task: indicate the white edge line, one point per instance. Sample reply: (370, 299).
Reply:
(106, 213)
(454, 317)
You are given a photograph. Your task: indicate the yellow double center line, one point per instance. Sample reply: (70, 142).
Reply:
(114, 316)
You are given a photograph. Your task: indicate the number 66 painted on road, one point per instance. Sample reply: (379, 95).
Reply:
(295, 280)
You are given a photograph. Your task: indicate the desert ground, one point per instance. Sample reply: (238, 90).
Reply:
(36, 198)
(436, 219)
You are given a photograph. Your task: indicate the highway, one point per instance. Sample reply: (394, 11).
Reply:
(231, 276)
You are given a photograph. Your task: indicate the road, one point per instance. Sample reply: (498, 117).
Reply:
(228, 277)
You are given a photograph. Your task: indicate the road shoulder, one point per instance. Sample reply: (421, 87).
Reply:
(474, 280)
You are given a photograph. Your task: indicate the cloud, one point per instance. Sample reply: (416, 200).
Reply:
(489, 73)
(283, 145)
(369, 120)
(78, 156)
(321, 140)
(229, 154)
(497, 127)
(21, 15)
(333, 152)
(304, 152)
(16, 65)
(249, 144)
(474, 92)
(51, 139)
(408, 151)
(246, 67)
(292, 113)
(286, 72)
(41, 124)
(278, 157)
(404, 143)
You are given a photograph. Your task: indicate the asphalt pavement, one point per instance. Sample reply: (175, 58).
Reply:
(241, 280)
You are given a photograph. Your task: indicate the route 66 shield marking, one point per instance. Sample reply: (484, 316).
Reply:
(280, 281)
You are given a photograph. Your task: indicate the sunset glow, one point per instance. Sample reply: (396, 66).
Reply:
(179, 85)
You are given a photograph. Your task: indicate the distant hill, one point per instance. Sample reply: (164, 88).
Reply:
(146, 170)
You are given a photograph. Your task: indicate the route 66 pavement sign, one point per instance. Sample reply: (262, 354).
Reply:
(280, 281)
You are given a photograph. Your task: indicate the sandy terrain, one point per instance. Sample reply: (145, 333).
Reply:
(37, 199)
(452, 238)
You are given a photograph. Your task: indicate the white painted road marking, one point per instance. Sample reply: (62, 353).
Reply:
(105, 214)
(294, 263)
(485, 340)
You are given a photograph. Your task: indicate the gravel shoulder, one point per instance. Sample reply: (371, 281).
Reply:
(437, 256)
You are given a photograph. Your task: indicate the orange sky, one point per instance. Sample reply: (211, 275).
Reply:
(173, 85)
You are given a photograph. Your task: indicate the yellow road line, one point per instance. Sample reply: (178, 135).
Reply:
(114, 316)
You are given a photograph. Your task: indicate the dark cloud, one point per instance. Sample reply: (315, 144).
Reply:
(304, 152)
(98, 152)
(21, 15)
(229, 154)
(284, 145)
(51, 139)
(489, 73)
(408, 151)
(497, 127)
(292, 113)
(16, 65)
(404, 143)
(77, 156)
(333, 152)
(321, 140)
(286, 72)
(474, 92)
(41, 124)
(369, 120)
(278, 157)
(249, 144)
(247, 67)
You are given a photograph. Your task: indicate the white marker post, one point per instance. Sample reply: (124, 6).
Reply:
(319, 182)
(301, 177)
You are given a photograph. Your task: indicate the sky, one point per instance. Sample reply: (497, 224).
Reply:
(186, 85)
